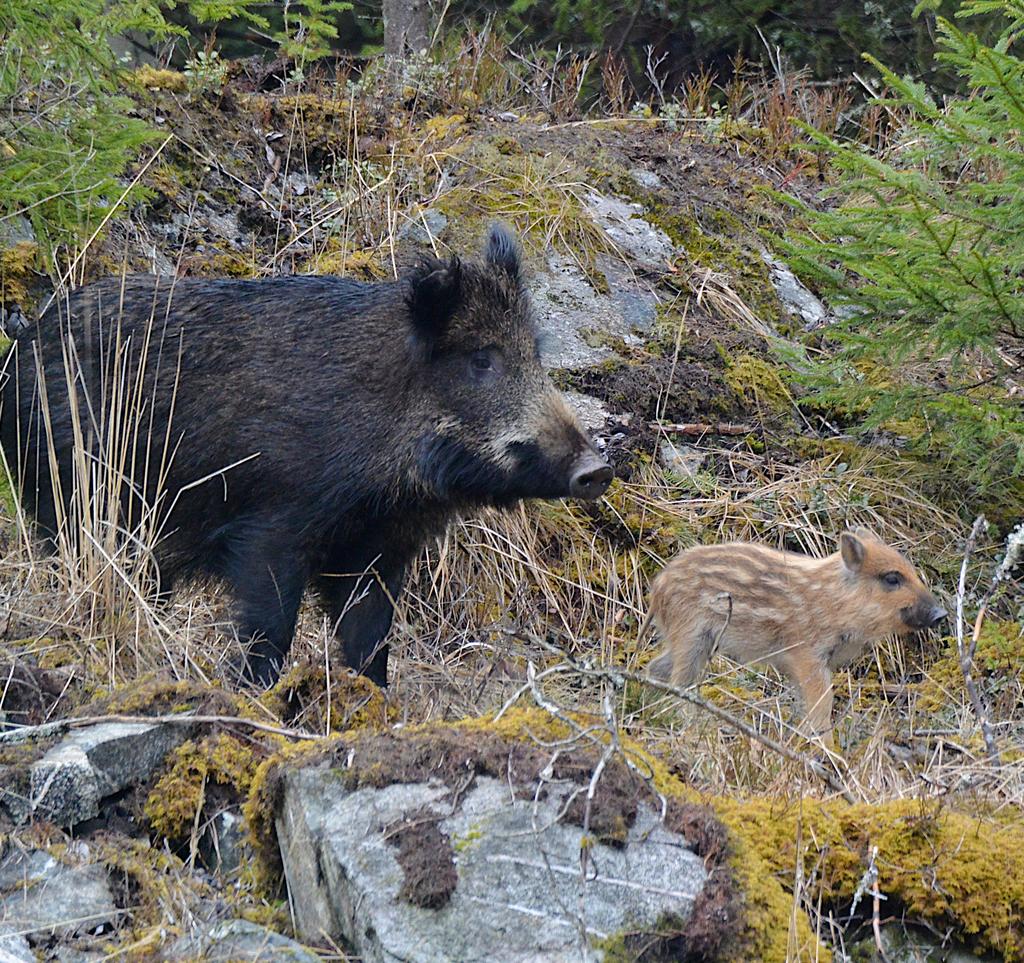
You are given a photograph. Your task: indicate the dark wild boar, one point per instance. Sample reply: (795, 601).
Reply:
(805, 616)
(305, 430)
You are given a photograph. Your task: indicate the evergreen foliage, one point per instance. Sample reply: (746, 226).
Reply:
(67, 137)
(925, 251)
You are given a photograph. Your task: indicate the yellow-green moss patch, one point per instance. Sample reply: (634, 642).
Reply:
(178, 797)
(941, 867)
(304, 697)
(758, 383)
(17, 270)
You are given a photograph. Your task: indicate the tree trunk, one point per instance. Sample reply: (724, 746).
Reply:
(406, 28)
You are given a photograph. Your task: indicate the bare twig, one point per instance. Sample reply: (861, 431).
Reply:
(619, 677)
(876, 924)
(695, 429)
(869, 884)
(966, 653)
(184, 718)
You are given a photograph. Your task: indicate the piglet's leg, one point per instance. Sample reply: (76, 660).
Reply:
(814, 682)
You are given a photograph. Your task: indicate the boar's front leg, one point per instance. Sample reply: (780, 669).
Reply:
(361, 606)
(267, 579)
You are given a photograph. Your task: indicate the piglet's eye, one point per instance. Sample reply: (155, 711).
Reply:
(892, 579)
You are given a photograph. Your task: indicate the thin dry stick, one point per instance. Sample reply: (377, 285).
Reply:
(184, 718)
(619, 677)
(694, 429)
(966, 654)
(876, 923)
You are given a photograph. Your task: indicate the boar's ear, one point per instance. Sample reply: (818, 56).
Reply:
(435, 290)
(503, 251)
(865, 534)
(852, 550)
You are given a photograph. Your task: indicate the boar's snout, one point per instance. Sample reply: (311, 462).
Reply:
(938, 613)
(590, 476)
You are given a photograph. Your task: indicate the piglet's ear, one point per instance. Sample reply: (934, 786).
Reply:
(865, 534)
(435, 291)
(852, 550)
(503, 251)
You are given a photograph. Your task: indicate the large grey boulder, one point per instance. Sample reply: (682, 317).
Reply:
(795, 297)
(67, 785)
(427, 227)
(416, 873)
(648, 246)
(14, 947)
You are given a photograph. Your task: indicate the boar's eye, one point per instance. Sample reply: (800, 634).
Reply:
(484, 365)
(891, 579)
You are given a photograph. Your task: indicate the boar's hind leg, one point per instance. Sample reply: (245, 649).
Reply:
(361, 608)
(267, 584)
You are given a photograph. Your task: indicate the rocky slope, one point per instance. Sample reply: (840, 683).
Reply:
(512, 796)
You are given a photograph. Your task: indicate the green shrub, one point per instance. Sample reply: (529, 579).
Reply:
(924, 252)
(67, 137)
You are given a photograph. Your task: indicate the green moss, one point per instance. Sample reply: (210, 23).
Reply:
(462, 843)
(16, 759)
(364, 263)
(156, 695)
(757, 382)
(153, 78)
(18, 265)
(8, 503)
(445, 126)
(180, 793)
(174, 177)
(225, 264)
(324, 122)
(304, 697)
(999, 658)
(148, 880)
(942, 867)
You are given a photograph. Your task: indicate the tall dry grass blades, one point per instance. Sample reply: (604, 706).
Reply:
(108, 499)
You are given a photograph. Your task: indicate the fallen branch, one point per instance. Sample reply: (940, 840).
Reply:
(698, 428)
(965, 653)
(619, 677)
(183, 718)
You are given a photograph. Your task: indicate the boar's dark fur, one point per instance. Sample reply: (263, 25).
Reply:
(316, 431)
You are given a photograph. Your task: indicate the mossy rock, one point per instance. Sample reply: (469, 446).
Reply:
(950, 870)
(157, 694)
(513, 748)
(307, 698)
(715, 240)
(194, 769)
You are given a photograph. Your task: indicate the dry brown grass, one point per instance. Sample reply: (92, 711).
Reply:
(484, 606)
(543, 571)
